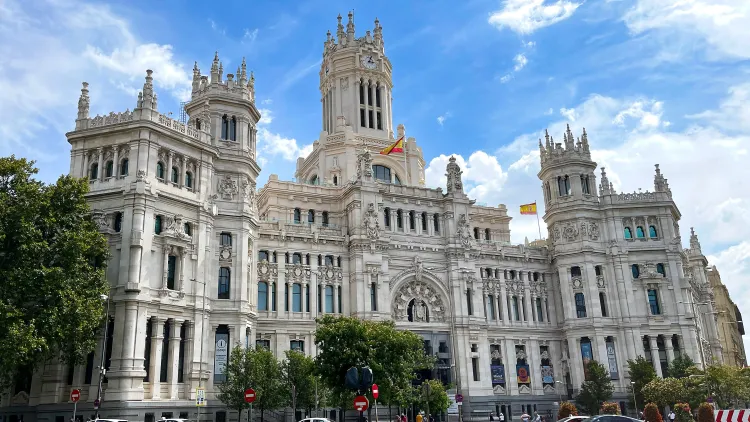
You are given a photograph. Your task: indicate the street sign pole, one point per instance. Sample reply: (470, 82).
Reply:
(75, 395)
(375, 395)
(75, 405)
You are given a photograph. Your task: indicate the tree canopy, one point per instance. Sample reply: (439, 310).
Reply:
(52, 267)
(641, 373)
(682, 366)
(597, 388)
(300, 379)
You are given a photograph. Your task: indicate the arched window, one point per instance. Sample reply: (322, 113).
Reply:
(635, 270)
(297, 216)
(424, 222)
(124, 167)
(548, 191)
(486, 234)
(399, 219)
(188, 229)
(314, 179)
(159, 170)
(580, 305)
(603, 303)
(224, 274)
(653, 302)
(585, 185)
(225, 239)
(382, 173)
(198, 124)
(335, 180)
(224, 127)
(325, 218)
(262, 296)
(296, 258)
(233, 129)
(652, 233)
(311, 216)
(157, 224)
(628, 233)
(418, 311)
(109, 169)
(94, 173)
(387, 217)
(436, 222)
(660, 269)
(515, 308)
(575, 271)
(639, 233)
(412, 223)
(296, 297)
(563, 185)
(476, 233)
(188, 180)
(175, 175)
(118, 221)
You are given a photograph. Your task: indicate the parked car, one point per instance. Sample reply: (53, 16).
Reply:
(611, 418)
(317, 420)
(110, 420)
(573, 419)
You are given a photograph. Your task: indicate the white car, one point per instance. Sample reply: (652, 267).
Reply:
(574, 419)
(317, 420)
(110, 420)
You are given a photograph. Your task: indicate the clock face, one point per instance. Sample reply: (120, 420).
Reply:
(368, 62)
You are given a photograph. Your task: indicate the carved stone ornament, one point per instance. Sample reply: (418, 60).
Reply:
(453, 176)
(176, 228)
(140, 175)
(101, 220)
(298, 273)
(371, 223)
(330, 274)
(591, 229)
(418, 268)
(427, 304)
(577, 282)
(464, 232)
(600, 282)
(225, 253)
(267, 271)
(344, 83)
(364, 165)
(545, 355)
(520, 353)
(227, 188)
(569, 231)
(496, 355)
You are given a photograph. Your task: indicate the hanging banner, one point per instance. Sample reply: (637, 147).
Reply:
(523, 374)
(548, 375)
(612, 361)
(498, 374)
(588, 355)
(222, 353)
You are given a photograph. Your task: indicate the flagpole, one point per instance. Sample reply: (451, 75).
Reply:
(539, 225)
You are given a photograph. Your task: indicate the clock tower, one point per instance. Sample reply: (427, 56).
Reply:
(355, 82)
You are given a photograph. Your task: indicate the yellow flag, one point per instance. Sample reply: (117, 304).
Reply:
(528, 209)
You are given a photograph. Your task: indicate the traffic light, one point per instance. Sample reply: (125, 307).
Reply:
(366, 379)
(351, 380)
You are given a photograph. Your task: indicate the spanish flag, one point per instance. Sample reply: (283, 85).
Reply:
(528, 209)
(398, 146)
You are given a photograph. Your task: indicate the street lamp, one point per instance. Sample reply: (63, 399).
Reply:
(635, 401)
(559, 392)
(102, 369)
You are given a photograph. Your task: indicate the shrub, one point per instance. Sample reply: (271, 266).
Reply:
(567, 409)
(651, 413)
(705, 413)
(610, 408)
(682, 412)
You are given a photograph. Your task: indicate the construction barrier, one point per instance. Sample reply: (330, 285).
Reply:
(732, 415)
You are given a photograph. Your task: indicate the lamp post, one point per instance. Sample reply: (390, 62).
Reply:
(102, 369)
(203, 327)
(559, 392)
(635, 401)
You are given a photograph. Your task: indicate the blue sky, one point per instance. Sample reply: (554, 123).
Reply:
(653, 81)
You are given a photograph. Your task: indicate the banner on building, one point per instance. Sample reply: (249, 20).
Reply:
(612, 361)
(523, 374)
(587, 356)
(222, 353)
(548, 375)
(498, 374)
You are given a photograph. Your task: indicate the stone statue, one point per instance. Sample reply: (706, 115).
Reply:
(453, 176)
(418, 268)
(371, 223)
(464, 232)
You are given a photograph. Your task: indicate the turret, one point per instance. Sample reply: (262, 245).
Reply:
(378, 31)
(215, 69)
(83, 108)
(340, 30)
(660, 183)
(196, 78)
(350, 28)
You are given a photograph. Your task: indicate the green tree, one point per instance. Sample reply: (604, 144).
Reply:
(394, 356)
(728, 385)
(641, 373)
(239, 371)
(682, 366)
(52, 267)
(664, 391)
(435, 399)
(267, 381)
(298, 374)
(596, 389)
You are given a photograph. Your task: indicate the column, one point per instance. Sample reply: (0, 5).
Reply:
(670, 349)
(115, 162)
(592, 292)
(575, 362)
(157, 338)
(394, 223)
(418, 222)
(373, 95)
(367, 101)
(384, 108)
(655, 355)
(535, 363)
(168, 176)
(86, 164)
(504, 299)
(335, 298)
(600, 343)
(174, 357)
(184, 171)
(323, 104)
(510, 363)
(183, 253)
(100, 176)
(566, 293)
(166, 269)
(527, 306)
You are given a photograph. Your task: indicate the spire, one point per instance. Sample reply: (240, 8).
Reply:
(251, 86)
(83, 102)
(585, 142)
(350, 28)
(604, 185)
(546, 138)
(243, 73)
(695, 244)
(340, 30)
(221, 71)
(148, 91)
(569, 139)
(328, 36)
(215, 69)
(378, 32)
(660, 183)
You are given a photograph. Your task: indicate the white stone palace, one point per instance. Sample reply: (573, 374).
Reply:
(202, 261)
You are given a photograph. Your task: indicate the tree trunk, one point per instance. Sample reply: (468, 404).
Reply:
(262, 415)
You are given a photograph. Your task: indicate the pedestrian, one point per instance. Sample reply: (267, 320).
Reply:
(671, 416)
(492, 417)
(525, 417)
(403, 417)
(419, 417)
(501, 417)
(537, 418)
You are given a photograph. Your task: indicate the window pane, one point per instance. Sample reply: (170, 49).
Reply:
(329, 299)
(262, 296)
(628, 233)
(223, 283)
(639, 232)
(171, 264)
(296, 297)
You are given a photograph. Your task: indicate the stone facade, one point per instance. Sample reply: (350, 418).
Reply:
(201, 261)
(729, 322)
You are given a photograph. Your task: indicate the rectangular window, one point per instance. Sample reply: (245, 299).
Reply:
(262, 256)
(221, 416)
(297, 258)
(226, 239)
(320, 298)
(653, 301)
(469, 304)
(273, 297)
(338, 300)
(298, 345)
(491, 307)
(147, 350)
(475, 368)
(296, 297)
(424, 222)
(362, 93)
(580, 305)
(262, 296)
(171, 267)
(436, 223)
(603, 303)
(329, 299)
(379, 120)
(165, 352)
(181, 354)
(329, 260)
(362, 117)
(516, 310)
(89, 374)
(224, 274)
(266, 344)
(307, 299)
(371, 120)
(377, 97)
(373, 297)
(286, 298)
(539, 313)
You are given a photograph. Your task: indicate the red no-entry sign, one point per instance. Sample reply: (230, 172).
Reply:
(249, 395)
(361, 403)
(375, 392)
(75, 395)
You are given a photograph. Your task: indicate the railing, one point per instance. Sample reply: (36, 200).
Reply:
(178, 126)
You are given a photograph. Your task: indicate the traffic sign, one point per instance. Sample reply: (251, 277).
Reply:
(75, 395)
(459, 398)
(361, 403)
(200, 396)
(97, 402)
(375, 392)
(249, 395)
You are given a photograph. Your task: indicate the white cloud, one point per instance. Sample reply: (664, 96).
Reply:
(47, 51)
(274, 144)
(250, 36)
(527, 16)
(521, 62)
(549, 112)
(716, 27)
(442, 118)
(483, 176)
(506, 78)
